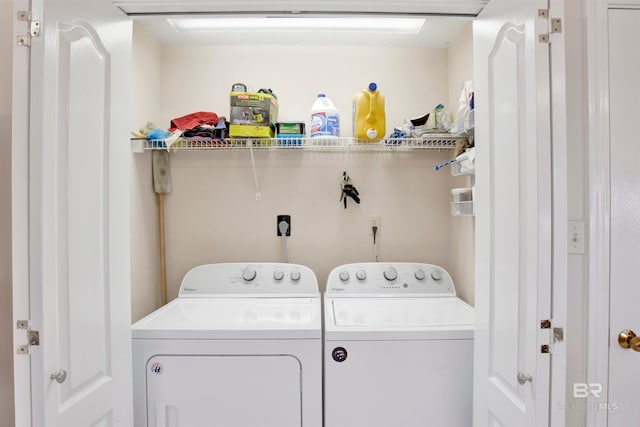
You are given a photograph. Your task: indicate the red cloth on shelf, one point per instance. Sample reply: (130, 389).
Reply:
(194, 119)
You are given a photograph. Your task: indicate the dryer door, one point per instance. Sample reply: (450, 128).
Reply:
(230, 391)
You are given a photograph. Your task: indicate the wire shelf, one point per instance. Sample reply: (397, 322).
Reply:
(429, 142)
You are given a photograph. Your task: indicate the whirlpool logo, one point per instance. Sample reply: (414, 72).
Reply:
(156, 368)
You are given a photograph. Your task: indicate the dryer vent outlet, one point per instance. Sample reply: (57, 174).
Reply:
(281, 228)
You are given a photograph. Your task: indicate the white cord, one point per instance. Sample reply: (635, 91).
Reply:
(283, 226)
(284, 247)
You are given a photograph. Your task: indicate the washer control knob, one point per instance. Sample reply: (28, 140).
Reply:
(278, 275)
(390, 274)
(344, 275)
(295, 276)
(361, 274)
(249, 274)
(420, 274)
(436, 275)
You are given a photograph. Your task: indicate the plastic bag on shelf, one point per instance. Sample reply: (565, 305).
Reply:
(464, 114)
(439, 120)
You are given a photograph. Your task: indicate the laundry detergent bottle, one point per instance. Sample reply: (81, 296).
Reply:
(325, 118)
(369, 119)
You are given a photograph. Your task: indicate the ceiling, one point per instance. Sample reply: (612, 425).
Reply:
(437, 32)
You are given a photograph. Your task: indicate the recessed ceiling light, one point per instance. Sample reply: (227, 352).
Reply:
(383, 25)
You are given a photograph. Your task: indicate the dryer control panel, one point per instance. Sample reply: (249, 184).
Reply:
(389, 279)
(249, 280)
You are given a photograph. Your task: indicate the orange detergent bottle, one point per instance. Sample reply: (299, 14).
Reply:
(369, 119)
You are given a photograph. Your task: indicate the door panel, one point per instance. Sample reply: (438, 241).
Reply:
(513, 207)
(624, 69)
(82, 172)
(508, 183)
(399, 383)
(185, 390)
(79, 215)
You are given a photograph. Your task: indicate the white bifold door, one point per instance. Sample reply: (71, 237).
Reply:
(76, 174)
(514, 213)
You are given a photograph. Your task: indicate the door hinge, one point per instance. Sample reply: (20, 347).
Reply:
(33, 337)
(33, 28)
(545, 324)
(556, 25)
(545, 349)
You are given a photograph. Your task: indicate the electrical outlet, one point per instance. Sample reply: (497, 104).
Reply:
(374, 221)
(285, 218)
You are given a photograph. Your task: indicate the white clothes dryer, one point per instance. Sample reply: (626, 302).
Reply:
(241, 346)
(398, 348)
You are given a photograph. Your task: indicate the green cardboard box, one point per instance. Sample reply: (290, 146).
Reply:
(253, 115)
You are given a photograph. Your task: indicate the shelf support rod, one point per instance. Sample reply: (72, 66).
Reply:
(253, 167)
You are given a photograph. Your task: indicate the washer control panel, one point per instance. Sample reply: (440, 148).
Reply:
(249, 279)
(396, 278)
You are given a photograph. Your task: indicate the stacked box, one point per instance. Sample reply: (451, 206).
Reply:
(290, 133)
(253, 115)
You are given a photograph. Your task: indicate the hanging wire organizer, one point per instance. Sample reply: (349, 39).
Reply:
(439, 142)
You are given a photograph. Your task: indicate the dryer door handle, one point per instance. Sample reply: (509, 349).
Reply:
(166, 415)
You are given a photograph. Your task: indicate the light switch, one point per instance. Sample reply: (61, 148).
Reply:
(576, 237)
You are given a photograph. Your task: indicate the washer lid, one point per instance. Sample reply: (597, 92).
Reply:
(233, 318)
(400, 313)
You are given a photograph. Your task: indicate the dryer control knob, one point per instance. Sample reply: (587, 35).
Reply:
(249, 274)
(436, 275)
(278, 275)
(390, 274)
(361, 274)
(420, 274)
(295, 276)
(344, 275)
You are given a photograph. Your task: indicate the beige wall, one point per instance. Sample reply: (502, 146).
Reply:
(213, 215)
(462, 255)
(6, 317)
(200, 78)
(145, 275)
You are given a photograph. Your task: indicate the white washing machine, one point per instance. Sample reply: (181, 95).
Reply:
(398, 348)
(241, 346)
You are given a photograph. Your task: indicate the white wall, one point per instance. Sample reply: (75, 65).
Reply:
(577, 210)
(212, 214)
(6, 317)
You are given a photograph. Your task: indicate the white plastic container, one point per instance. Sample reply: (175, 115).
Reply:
(325, 118)
(462, 194)
(462, 204)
